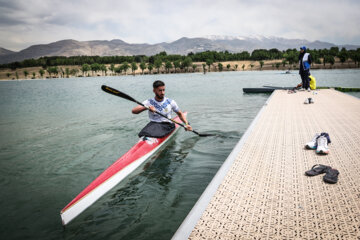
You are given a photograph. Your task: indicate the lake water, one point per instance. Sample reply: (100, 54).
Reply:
(57, 135)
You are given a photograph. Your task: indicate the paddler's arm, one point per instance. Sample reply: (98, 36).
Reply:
(183, 119)
(138, 109)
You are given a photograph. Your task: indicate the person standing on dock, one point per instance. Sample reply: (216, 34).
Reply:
(159, 125)
(304, 68)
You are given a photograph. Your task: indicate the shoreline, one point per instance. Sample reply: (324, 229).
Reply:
(276, 65)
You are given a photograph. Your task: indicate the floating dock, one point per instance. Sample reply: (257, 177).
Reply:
(261, 191)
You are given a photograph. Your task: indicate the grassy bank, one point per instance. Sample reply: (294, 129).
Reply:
(76, 71)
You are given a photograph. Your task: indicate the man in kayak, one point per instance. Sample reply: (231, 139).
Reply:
(160, 126)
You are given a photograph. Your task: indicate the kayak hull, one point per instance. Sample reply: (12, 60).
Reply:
(114, 174)
(258, 90)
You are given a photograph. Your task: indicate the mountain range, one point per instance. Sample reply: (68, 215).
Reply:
(181, 46)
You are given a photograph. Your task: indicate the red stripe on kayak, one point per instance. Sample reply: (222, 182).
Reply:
(137, 151)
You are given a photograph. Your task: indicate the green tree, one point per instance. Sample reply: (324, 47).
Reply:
(288, 57)
(134, 67)
(194, 66)
(261, 64)
(204, 67)
(186, 63)
(62, 72)
(55, 70)
(16, 75)
(315, 56)
(95, 67)
(355, 56)
(67, 71)
(49, 71)
(163, 54)
(152, 59)
(8, 74)
(52, 70)
(177, 64)
(74, 71)
(277, 65)
(329, 59)
(33, 77)
(168, 66)
(209, 62)
(334, 51)
(150, 67)
(112, 67)
(103, 69)
(26, 73)
(125, 66)
(220, 66)
(158, 65)
(251, 66)
(260, 54)
(318, 61)
(142, 67)
(228, 67)
(236, 67)
(41, 72)
(243, 67)
(343, 55)
(118, 69)
(85, 68)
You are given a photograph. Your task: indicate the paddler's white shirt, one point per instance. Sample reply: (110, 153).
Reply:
(165, 107)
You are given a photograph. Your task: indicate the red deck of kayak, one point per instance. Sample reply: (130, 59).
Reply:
(137, 151)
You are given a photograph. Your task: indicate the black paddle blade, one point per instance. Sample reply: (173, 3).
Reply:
(117, 93)
(203, 134)
(206, 135)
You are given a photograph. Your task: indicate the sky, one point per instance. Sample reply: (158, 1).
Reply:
(27, 22)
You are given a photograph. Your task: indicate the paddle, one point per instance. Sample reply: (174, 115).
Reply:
(125, 96)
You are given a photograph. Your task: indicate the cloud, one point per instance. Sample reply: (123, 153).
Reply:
(23, 23)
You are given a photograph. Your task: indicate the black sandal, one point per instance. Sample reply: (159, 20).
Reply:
(317, 169)
(331, 176)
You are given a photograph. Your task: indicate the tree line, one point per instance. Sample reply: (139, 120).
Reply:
(185, 61)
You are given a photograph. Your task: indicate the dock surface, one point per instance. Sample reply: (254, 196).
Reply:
(261, 191)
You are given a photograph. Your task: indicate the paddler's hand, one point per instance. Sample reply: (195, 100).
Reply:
(152, 109)
(188, 127)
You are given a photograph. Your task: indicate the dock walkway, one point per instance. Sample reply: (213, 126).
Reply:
(261, 191)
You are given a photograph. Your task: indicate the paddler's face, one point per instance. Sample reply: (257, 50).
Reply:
(159, 92)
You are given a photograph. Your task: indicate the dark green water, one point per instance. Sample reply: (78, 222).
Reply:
(58, 135)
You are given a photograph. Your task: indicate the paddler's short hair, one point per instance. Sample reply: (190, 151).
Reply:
(158, 83)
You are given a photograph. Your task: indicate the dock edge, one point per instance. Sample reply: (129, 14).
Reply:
(189, 223)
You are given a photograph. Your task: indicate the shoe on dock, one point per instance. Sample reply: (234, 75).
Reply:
(317, 169)
(322, 145)
(331, 176)
(313, 143)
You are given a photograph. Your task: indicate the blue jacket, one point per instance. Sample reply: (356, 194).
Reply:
(305, 61)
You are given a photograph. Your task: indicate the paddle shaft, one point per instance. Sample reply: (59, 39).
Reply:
(123, 95)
